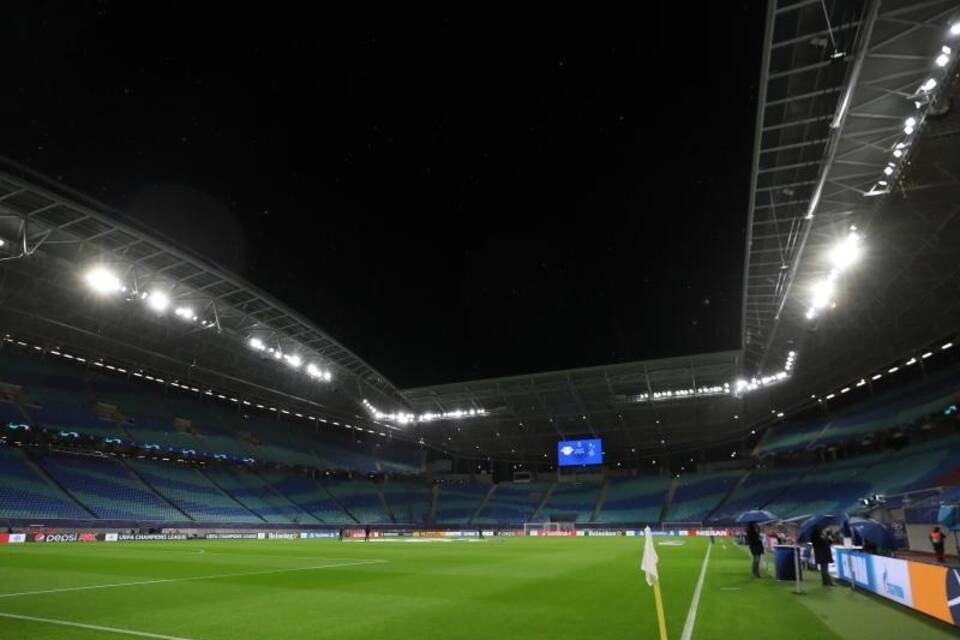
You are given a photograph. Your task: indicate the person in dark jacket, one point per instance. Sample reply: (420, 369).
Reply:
(937, 540)
(756, 546)
(822, 554)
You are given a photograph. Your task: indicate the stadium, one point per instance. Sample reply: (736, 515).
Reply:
(186, 456)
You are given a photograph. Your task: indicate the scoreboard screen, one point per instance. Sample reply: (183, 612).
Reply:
(577, 452)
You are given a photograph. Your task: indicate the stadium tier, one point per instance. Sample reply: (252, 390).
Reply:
(107, 488)
(251, 491)
(457, 502)
(362, 500)
(513, 503)
(193, 493)
(697, 495)
(409, 502)
(569, 500)
(25, 492)
(310, 496)
(634, 500)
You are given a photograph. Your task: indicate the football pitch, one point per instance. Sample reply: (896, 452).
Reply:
(548, 588)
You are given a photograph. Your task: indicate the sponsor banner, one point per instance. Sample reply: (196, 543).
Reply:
(318, 534)
(87, 537)
(283, 536)
(110, 537)
(55, 537)
(930, 589)
(235, 536)
(130, 537)
(893, 579)
(13, 538)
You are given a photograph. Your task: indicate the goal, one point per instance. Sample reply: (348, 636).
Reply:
(549, 529)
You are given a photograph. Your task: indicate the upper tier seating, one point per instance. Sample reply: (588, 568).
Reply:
(635, 500)
(24, 493)
(108, 489)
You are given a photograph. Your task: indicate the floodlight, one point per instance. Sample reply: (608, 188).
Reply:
(897, 153)
(103, 280)
(911, 122)
(942, 60)
(955, 29)
(257, 344)
(313, 371)
(823, 293)
(929, 85)
(887, 170)
(158, 301)
(186, 313)
(846, 252)
(294, 361)
(2, 242)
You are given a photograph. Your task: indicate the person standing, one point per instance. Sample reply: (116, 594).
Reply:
(937, 540)
(755, 544)
(366, 534)
(822, 554)
(340, 534)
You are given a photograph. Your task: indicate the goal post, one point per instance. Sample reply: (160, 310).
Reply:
(549, 529)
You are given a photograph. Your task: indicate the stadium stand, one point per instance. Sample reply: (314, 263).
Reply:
(568, 498)
(360, 499)
(697, 495)
(309, 496)
(513, 503)
(193, 493)
(26, 493)
(409, 502)
(250, 490)
(107, 488)
(458, 501)
(634, 500)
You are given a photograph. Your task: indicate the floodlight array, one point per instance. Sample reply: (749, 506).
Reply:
(404, 418)
(922, 98)
(889, 371)
(842, 256)
(104, 281)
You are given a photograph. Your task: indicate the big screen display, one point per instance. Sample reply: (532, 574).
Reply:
(578, 452)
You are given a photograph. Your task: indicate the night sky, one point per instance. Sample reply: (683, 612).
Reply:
(452, 197)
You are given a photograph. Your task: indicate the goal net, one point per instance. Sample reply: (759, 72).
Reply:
(549, 529)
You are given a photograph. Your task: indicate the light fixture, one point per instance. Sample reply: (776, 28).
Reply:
(103, 280)
(823, 293)
(257, 343)
(955, 29)
(294, 360)
(158, 301)
(887, 170)
(846, 252)
(929, 85)
(942, 60)
(187, 314)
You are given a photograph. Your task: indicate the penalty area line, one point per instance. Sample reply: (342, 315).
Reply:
(695, 603)
(92, 627)
(192, 578)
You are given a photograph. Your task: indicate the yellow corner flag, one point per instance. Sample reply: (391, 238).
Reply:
(649, 566)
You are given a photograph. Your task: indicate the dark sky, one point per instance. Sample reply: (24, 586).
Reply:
(451, 196)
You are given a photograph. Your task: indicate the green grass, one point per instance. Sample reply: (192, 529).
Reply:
(524, 588)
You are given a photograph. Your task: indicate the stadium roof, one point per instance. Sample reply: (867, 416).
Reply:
(634, 407)
(836, 150)
(64, 233)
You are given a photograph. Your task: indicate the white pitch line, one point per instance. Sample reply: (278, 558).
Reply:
(92, 627)
(193, 578)
(695, 603)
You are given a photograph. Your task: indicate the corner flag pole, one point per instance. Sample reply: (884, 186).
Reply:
(660, 618)
(649, 566)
